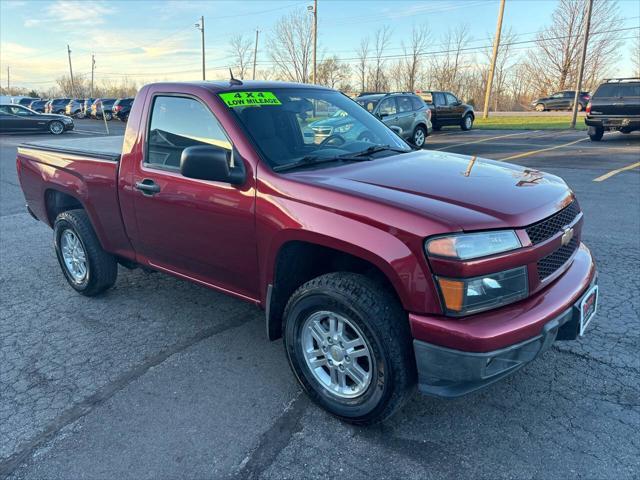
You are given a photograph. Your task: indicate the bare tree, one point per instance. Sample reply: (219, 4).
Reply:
(554, 61)
(447, 68)
(241, 54)
(333, 73)
(362, 55)
(411, 66)
(290, 46)
(378, 80)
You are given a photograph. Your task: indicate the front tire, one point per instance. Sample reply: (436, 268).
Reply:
(108, 116)
(467, 122)
(86, 266)
(539, 107)
(419, 137)
(595, 133)
(56, 127)
(348, 342)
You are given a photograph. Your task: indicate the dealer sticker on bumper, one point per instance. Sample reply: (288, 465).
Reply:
(588, 308)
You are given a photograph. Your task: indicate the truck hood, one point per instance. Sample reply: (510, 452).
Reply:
(467, 193)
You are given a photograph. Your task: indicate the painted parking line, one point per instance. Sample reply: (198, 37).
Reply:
(616, 171)
(535, 152)
(487, 139)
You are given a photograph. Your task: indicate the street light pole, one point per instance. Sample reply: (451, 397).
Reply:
(200, 26)
(255, 55)
(314, 10)
(574, 114)
(73, 87)
(93, 66)
(494, 57)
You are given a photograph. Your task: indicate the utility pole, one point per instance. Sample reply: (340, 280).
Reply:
(255, 55)
(494, 56)
(315, 35)
(8, 80)
(73, 87)
(200, 26)
(574, 114)
(93, 66)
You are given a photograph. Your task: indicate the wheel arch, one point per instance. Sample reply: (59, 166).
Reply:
(298, 261)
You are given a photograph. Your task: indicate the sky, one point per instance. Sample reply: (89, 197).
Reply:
(157, 40)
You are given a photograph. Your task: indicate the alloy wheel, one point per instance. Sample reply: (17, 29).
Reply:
(337, 354)
(74, 256)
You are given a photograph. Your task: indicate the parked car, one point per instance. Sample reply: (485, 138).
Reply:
(16, 118)
(102, 105)
(57, 105)
(447, 109)
(615, 106)
(26, 101)
(86, 107)
(121, 108)
(561, 101)
(38, 105)
(382, 267)
(74, 107)
(403, 112)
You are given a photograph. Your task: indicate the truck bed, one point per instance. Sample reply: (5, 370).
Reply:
(107, 148)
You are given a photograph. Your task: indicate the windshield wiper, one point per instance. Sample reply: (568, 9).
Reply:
(315, 160)
(374, 149)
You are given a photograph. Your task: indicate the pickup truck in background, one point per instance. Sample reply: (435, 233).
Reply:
(381, 266)
(615, 106)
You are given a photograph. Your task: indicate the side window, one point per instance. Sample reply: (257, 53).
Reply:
(387, 107)
(438, 99)
(451, 100)
(607, 90)
(404, 104)
(177, 123)
(630, 90)
(569, 94)
(416, 103)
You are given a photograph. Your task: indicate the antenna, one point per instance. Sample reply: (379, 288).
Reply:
(233, 81)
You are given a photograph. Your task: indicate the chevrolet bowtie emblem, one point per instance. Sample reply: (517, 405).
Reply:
(567, 235)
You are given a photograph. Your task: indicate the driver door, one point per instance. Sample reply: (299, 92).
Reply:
(388, 112)
(199, 229)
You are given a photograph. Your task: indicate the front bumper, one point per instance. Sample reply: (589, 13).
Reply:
(457, 356)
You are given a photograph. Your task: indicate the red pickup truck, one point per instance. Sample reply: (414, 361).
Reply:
(382, 267)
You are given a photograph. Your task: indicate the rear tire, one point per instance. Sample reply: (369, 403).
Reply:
(467, 122)
(380, 355)
(56, 127)
(580, 107)
(595, 133)
(108, 116)
(86, 266)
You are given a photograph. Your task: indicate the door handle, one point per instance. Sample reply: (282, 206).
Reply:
(148, 186)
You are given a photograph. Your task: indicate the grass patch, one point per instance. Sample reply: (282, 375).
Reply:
(527, 123)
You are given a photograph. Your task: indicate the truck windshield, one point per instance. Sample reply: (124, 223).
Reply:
(289, 125)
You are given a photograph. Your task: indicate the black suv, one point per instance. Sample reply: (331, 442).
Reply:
(614, 106)
(561, 101)
(447, 109)
(121, 108)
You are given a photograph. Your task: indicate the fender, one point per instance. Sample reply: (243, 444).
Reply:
(408, 274)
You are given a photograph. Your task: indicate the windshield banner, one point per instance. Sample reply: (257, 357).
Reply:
(248, 99)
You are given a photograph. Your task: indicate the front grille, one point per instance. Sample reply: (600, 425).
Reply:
(552, 262)
(547, 228)
(322, 130)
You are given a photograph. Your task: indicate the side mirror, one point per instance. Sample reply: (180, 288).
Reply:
(397, 130)
(458, 102)
(207, 162)
(381, 115)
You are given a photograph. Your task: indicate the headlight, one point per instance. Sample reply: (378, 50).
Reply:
(473, 245)
(343, 128)
(472, 295)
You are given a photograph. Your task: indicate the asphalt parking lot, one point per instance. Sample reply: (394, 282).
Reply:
(160, 378)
